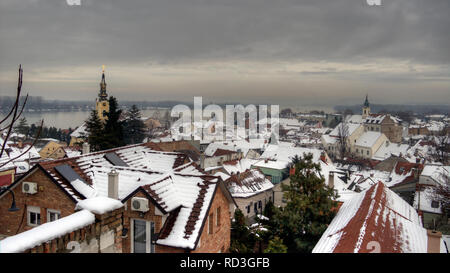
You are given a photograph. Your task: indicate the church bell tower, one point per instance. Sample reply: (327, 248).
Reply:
(366, 108)
(102, 103)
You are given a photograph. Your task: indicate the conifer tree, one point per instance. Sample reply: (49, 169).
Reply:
(309, 210)
(22, 127)
(242, 240)
(113, 130)
(94, 127)
(134, 127)
(276, 246)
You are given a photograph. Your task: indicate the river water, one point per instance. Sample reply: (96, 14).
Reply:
(72, 119)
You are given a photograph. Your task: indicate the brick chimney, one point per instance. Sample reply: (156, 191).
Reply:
(85, 148)
(434, 241)
(113, 184)
(331, 180)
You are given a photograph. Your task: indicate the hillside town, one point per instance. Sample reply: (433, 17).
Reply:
(377, 184)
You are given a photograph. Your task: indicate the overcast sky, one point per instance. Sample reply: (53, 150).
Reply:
(288, 52)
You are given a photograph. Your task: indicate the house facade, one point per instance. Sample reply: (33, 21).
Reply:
(155, 213)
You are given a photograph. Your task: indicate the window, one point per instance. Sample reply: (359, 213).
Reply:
(211, 223)
(53, 215)
(357, 150)
(218, 216)
(255, 207)
(142, 236)
(248, 209)
(367, 152)
(435, 204)
(259, 204)
(34, 216)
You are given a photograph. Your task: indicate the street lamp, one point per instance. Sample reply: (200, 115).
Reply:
(13, 204)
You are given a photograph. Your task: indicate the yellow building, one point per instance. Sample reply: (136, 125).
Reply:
(52, 150)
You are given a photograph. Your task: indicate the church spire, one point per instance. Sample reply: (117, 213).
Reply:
(366, 103)
(102, 95)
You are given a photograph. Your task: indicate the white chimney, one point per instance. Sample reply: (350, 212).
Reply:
(331, 180)
(113, 184)
(85, 148)
(202, 161)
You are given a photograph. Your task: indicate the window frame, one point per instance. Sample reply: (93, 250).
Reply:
(35, 210)
(54, 211)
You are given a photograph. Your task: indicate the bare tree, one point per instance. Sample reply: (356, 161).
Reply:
(442, 146)
(441, 193)
(7, 123)
(343, 134)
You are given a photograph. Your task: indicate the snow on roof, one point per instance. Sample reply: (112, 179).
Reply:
(222, 175)
(368, 139)
(389, 149)
(375, 215)
(235, 145)
(99, 205)
(378, 118)
(351, 128)
(80, 131)
(46, 232)
(190, 198)
(355, 119)
(248, 183)
(235, 166)
(327, 139)
(440, 174)
(280, 156)
(426, 197)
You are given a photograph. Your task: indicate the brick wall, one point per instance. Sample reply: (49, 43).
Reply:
(49, 196)
(219, 241)
(173, 146)
(102, 236)
(148, 216)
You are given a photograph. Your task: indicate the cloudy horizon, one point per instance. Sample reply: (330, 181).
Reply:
(251, 51)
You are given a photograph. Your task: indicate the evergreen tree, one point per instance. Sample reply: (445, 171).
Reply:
(22, 127)
(94, 127)
(134, 127)
(242, 240)
(113, 130)
(276, 246)
(309, 210)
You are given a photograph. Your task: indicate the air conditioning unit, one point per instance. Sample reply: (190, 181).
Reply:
(139, 204)
(29, 187)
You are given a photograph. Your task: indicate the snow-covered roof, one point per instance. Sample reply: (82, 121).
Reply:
(248, 183)
(375, 217)
(235, 166)
(354, 119)
(99, 204)
(280, 156)
(388, 149)
(80, 131)
(440, 174)
(378, 119)
(351, 128)
(424, 198)
(174, 186)
(368, 139)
